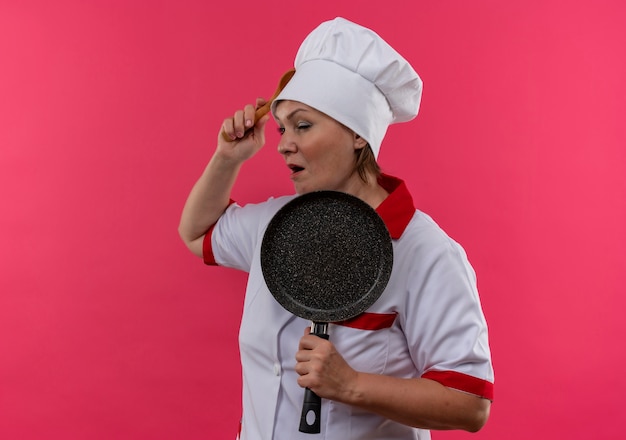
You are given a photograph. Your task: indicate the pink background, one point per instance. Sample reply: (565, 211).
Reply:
(109, 110)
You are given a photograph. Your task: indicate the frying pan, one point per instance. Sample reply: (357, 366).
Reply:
(326, 256)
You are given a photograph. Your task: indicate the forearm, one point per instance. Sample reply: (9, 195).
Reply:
(421, 403)
(211, 194)
(207, 201)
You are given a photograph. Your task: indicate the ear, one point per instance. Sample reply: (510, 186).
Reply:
(359, 142)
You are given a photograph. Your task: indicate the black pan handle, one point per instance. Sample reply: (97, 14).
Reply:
(310, 422)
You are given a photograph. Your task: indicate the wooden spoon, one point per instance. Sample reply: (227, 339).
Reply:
(265, 108)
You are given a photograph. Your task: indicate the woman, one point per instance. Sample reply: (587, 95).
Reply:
(418, 359)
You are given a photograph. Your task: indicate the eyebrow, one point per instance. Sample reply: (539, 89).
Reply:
(291, 115)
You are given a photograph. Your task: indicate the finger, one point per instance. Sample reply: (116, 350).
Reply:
(259, 129)
(248, 116)
(262, 108)
(307, 342)
(228, 129)
(239, 123)
(312, 342)
(302, 382)
(301, 366)
(303, 355)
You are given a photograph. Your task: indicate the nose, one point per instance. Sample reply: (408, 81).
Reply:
(286, 145)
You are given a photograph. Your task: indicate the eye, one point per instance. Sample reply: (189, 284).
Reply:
(303, 125)
(281, 130)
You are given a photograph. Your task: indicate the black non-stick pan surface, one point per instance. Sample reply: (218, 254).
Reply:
(326, 256)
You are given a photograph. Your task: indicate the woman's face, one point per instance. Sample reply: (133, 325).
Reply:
(318, 150)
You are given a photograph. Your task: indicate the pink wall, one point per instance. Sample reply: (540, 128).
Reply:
(109, 111)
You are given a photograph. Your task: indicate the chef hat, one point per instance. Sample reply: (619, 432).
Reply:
(352, 75)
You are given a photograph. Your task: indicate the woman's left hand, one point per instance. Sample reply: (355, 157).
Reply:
(323, 369)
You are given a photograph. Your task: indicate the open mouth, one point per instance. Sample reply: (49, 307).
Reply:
(295, 169)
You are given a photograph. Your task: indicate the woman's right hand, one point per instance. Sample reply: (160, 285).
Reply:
(242, 145)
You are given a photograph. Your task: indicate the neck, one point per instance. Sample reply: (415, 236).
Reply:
(371, 193)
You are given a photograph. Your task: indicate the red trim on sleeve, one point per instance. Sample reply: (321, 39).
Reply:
(370, 321)
(207, 248)
(462, 382)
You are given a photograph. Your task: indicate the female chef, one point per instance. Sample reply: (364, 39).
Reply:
(419, 358)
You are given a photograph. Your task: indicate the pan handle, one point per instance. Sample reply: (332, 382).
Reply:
(310, 422)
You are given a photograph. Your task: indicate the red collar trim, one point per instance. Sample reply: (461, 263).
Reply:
(397, 209)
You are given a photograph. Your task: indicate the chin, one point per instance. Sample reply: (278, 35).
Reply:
(302, 189)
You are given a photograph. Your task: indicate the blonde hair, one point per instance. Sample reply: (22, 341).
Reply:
(365, 164)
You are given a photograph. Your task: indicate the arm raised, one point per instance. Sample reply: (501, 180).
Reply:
(210, 195)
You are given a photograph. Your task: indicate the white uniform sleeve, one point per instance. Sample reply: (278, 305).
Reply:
(445, 324)
(239, 232)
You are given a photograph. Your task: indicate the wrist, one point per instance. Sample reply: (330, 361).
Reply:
(355, 390)
(223, 160)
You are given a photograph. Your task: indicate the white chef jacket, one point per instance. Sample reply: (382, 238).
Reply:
(427, 323)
